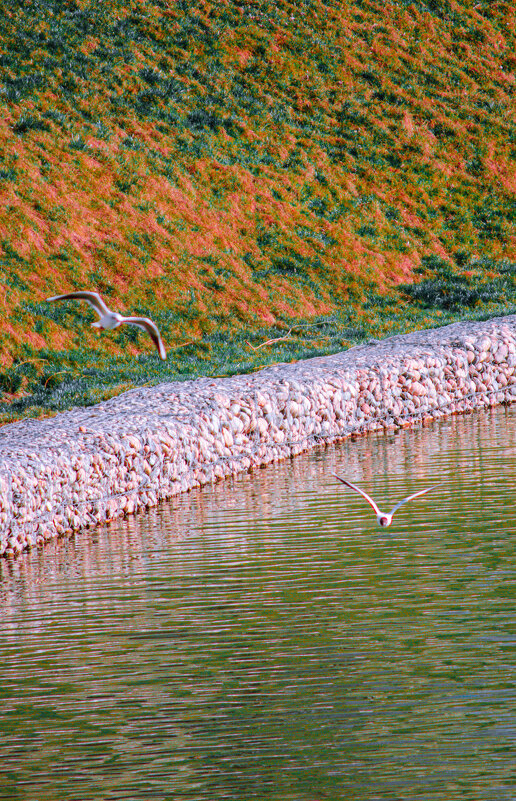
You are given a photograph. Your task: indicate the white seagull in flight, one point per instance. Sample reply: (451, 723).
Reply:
(384, 518)
(110, 319)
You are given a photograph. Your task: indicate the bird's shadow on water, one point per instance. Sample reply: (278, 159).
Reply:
(389, 536)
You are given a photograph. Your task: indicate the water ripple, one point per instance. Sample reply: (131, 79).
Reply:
(264, 639)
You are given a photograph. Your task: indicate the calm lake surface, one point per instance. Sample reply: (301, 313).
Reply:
(264, 639)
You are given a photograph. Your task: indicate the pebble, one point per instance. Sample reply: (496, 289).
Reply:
(88, 466)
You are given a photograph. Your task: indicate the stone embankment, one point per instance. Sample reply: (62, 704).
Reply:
(86, 466)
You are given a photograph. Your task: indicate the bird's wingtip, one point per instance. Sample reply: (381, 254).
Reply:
(339, 478)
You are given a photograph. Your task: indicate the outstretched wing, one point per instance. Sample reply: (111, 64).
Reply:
(360, 492)
(93, 298)
(415, 495)
(152, 330)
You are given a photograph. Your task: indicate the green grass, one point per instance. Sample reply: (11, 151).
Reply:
(235, 170)
(58, 380)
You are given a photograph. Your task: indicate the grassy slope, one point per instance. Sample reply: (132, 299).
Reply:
(233, 168)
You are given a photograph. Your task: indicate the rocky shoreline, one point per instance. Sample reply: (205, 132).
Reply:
(89, 465)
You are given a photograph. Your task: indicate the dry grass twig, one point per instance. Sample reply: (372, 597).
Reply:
(285, 336)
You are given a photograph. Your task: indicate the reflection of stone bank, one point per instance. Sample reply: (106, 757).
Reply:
(87, 466)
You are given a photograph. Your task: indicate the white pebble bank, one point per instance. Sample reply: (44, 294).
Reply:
(90, 465)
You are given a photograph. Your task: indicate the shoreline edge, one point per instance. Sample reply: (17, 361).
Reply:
(90, 465)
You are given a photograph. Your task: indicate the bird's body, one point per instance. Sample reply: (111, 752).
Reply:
(109, 319)
(383, 518)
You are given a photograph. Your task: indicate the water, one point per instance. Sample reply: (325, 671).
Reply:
(264, 639)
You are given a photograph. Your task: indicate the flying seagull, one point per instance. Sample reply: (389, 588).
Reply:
(384, 518)
(110, 319)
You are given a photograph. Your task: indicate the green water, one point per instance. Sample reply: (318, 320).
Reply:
(264, 639)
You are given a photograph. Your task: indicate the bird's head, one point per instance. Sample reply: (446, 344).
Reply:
(384, 520)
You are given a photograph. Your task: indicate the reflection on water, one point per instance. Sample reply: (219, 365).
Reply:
(264, 639)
